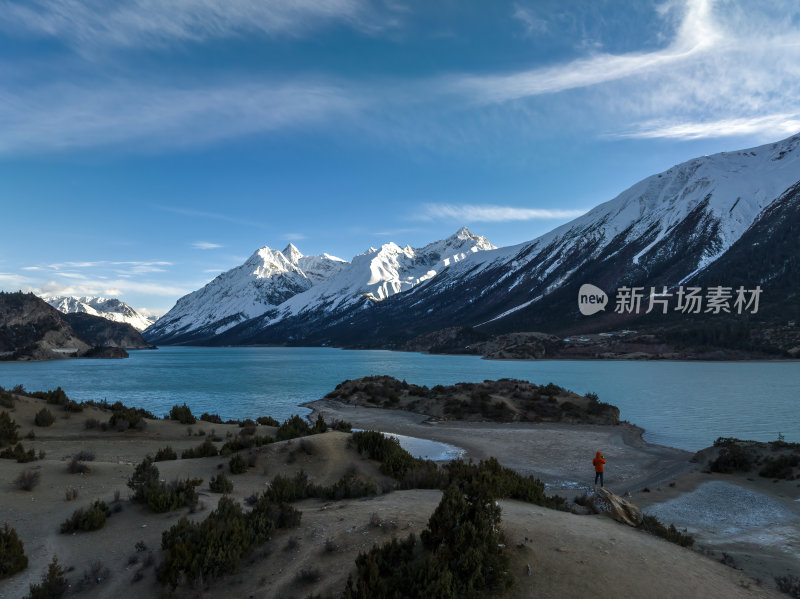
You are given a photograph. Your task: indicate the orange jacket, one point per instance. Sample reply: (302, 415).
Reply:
(598, 462)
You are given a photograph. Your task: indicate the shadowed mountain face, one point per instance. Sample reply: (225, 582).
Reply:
(99, 331)
(31, 329)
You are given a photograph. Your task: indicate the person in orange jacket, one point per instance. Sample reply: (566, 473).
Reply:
(599, 462)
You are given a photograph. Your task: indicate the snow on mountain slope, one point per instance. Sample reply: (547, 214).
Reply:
(264, 281)
(706, 203)
(380, 273)
(108, 308)
(316, 268)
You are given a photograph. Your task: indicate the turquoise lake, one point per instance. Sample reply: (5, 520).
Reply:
(682, 404)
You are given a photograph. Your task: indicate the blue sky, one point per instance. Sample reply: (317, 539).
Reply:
(146, 146)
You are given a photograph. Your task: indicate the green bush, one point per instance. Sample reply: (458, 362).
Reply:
(291, 428)
(654, 526)
(8, 430)
(462, 555)
(92, 518)
(124, 417)
(245, 442)
(165, 454)
(219, 544)
(212, 418)
(732, 458)
(220, 484)
(267, 421)
(780, 467)
(205, 450)
(54, 584)
(160, 496)
(44, 417)
(182, 414)
(6, 399)
(12, 553)
(18, 453)
(237, 464)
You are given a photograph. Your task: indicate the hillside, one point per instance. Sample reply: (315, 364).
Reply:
(31, 329)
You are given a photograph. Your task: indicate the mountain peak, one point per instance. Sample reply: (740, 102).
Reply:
(291, 253)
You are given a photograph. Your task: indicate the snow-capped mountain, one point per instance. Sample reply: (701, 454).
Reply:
(665, 230)
(108, 308)
(274, 285)
(264, 281)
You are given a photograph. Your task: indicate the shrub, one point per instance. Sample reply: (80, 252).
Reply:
(6, 399)
(164, 454)
(12, 553)
(789, 584)
(237, 464)
(124, 417)
(291, 428)
(44, 417)
(92, 518)
(205, 450)
(218, 545)
(8, 430)
(182, 414)
(159, 496)
(54, 584)
(462, 554)
(732, 458)
(27, 479)
(654, 526)
(71, 493)
(213, 418)
(267, 421)
(75, 466)
(18, 453)
(220, 484)
(91, 423)
(238, 443)
(780, 467)
(84, 455)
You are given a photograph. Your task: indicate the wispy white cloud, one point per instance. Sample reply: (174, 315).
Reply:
(530, 21)
(127, 23)
(66, 116)
(696, 33)
(293, 236)
(206, 245)
(489, 213)
(773, 125)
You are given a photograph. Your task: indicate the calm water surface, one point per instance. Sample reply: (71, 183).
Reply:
(683, 404)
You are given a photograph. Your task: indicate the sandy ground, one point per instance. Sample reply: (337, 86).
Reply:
(569, 555)
(750, 522)
(558, 454)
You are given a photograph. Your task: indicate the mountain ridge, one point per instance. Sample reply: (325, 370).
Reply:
(663, 230)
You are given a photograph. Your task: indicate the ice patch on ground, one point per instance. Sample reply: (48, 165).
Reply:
(720, 509)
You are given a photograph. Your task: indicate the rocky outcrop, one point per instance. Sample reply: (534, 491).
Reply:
(615, 507)
(31, 329)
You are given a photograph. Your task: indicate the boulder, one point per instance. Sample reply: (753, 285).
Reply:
(614, 506)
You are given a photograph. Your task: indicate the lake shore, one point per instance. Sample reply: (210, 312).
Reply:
(559, 454)
(751, 522)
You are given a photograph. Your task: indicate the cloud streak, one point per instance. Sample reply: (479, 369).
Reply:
(206, 245)
(491, 213)
(66, 116)
(695, 34)
(136, 23)
(772, 125)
